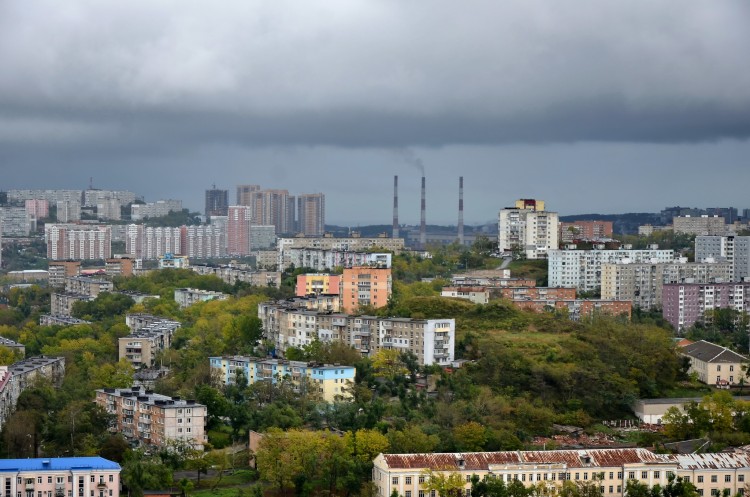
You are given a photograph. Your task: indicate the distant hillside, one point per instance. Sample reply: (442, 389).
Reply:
(626, 224)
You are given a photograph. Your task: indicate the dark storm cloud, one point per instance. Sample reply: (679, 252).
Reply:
(367, 74)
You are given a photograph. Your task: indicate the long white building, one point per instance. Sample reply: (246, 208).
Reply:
(432, 341)
(582, 269)
(154, 209)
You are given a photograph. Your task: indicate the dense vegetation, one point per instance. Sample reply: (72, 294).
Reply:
(526, 372)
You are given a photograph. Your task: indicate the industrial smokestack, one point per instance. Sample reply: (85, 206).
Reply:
(395, 207)
(423, 223)
(461, 210)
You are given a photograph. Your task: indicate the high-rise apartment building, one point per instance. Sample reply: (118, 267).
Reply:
(68, 210)
(731, 248)
(217, 202)
(245, 194)
(148, 242)
(93, 197)
(37, 208)
(365, 286)
(643, 283)
(14, 221)
(76, 242)
(528, 229)
(318, 283)
(684, 304)
(274, 207)
(238, 230)
(204, 241)
(311, 214)
(582, 269)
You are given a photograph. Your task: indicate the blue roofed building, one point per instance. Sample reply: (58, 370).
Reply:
(60, 477)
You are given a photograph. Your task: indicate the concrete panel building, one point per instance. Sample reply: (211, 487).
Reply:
(585, 230)
(149, 336)
(703, 225)
(731, 248)
(148, 419)
(643, 283)
(582, 269)
(528, 229)
(365, 286)
(233, 273)
(431, 340)
(160, 208)
(684, 304)
(317, 284)
(185, 297)
(474, 294)
(77, 242)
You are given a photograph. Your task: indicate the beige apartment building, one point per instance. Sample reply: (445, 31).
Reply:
(59, 271)
(85, 285)
(643, 283)
(609, 469)
(703, 225)
(233, 273)
(148, 419)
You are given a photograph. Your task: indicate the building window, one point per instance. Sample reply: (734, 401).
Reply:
(700, 479)
(714, 478)
(407, 493)
(631, 475)
(619, 476)
(49, 479)
(611, 476)
(111, 478)
(421, 480)
(644, 474)
(740, 478)
(578, 476)
(657, 474)
(408, 480)
(421, 493)
(611, 489)
(394, 480)
(727, 478)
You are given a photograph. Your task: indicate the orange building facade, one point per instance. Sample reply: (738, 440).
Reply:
(365, 286)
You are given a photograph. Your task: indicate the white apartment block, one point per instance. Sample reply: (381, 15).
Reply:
(78, 242)
(147, 242)
(731, 248)
(109, 208)
(205, 241)
(431, 340)
(582, 269)
(232, 274)
(327, 260)
(532, 232)
(149, 419)
(353, 243)
(18, 377)
(610, 469)
(643, 283)
(160, 208)
(476, 295)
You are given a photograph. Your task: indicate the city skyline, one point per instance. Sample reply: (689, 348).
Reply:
(593, 106)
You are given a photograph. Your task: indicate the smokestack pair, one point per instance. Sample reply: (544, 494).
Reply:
(423, 224)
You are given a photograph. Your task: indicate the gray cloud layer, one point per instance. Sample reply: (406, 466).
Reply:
(372, 73)
(594, 105)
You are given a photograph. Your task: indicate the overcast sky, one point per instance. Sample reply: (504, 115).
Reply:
(594, 106)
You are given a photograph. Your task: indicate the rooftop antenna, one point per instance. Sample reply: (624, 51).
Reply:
(91, 182)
